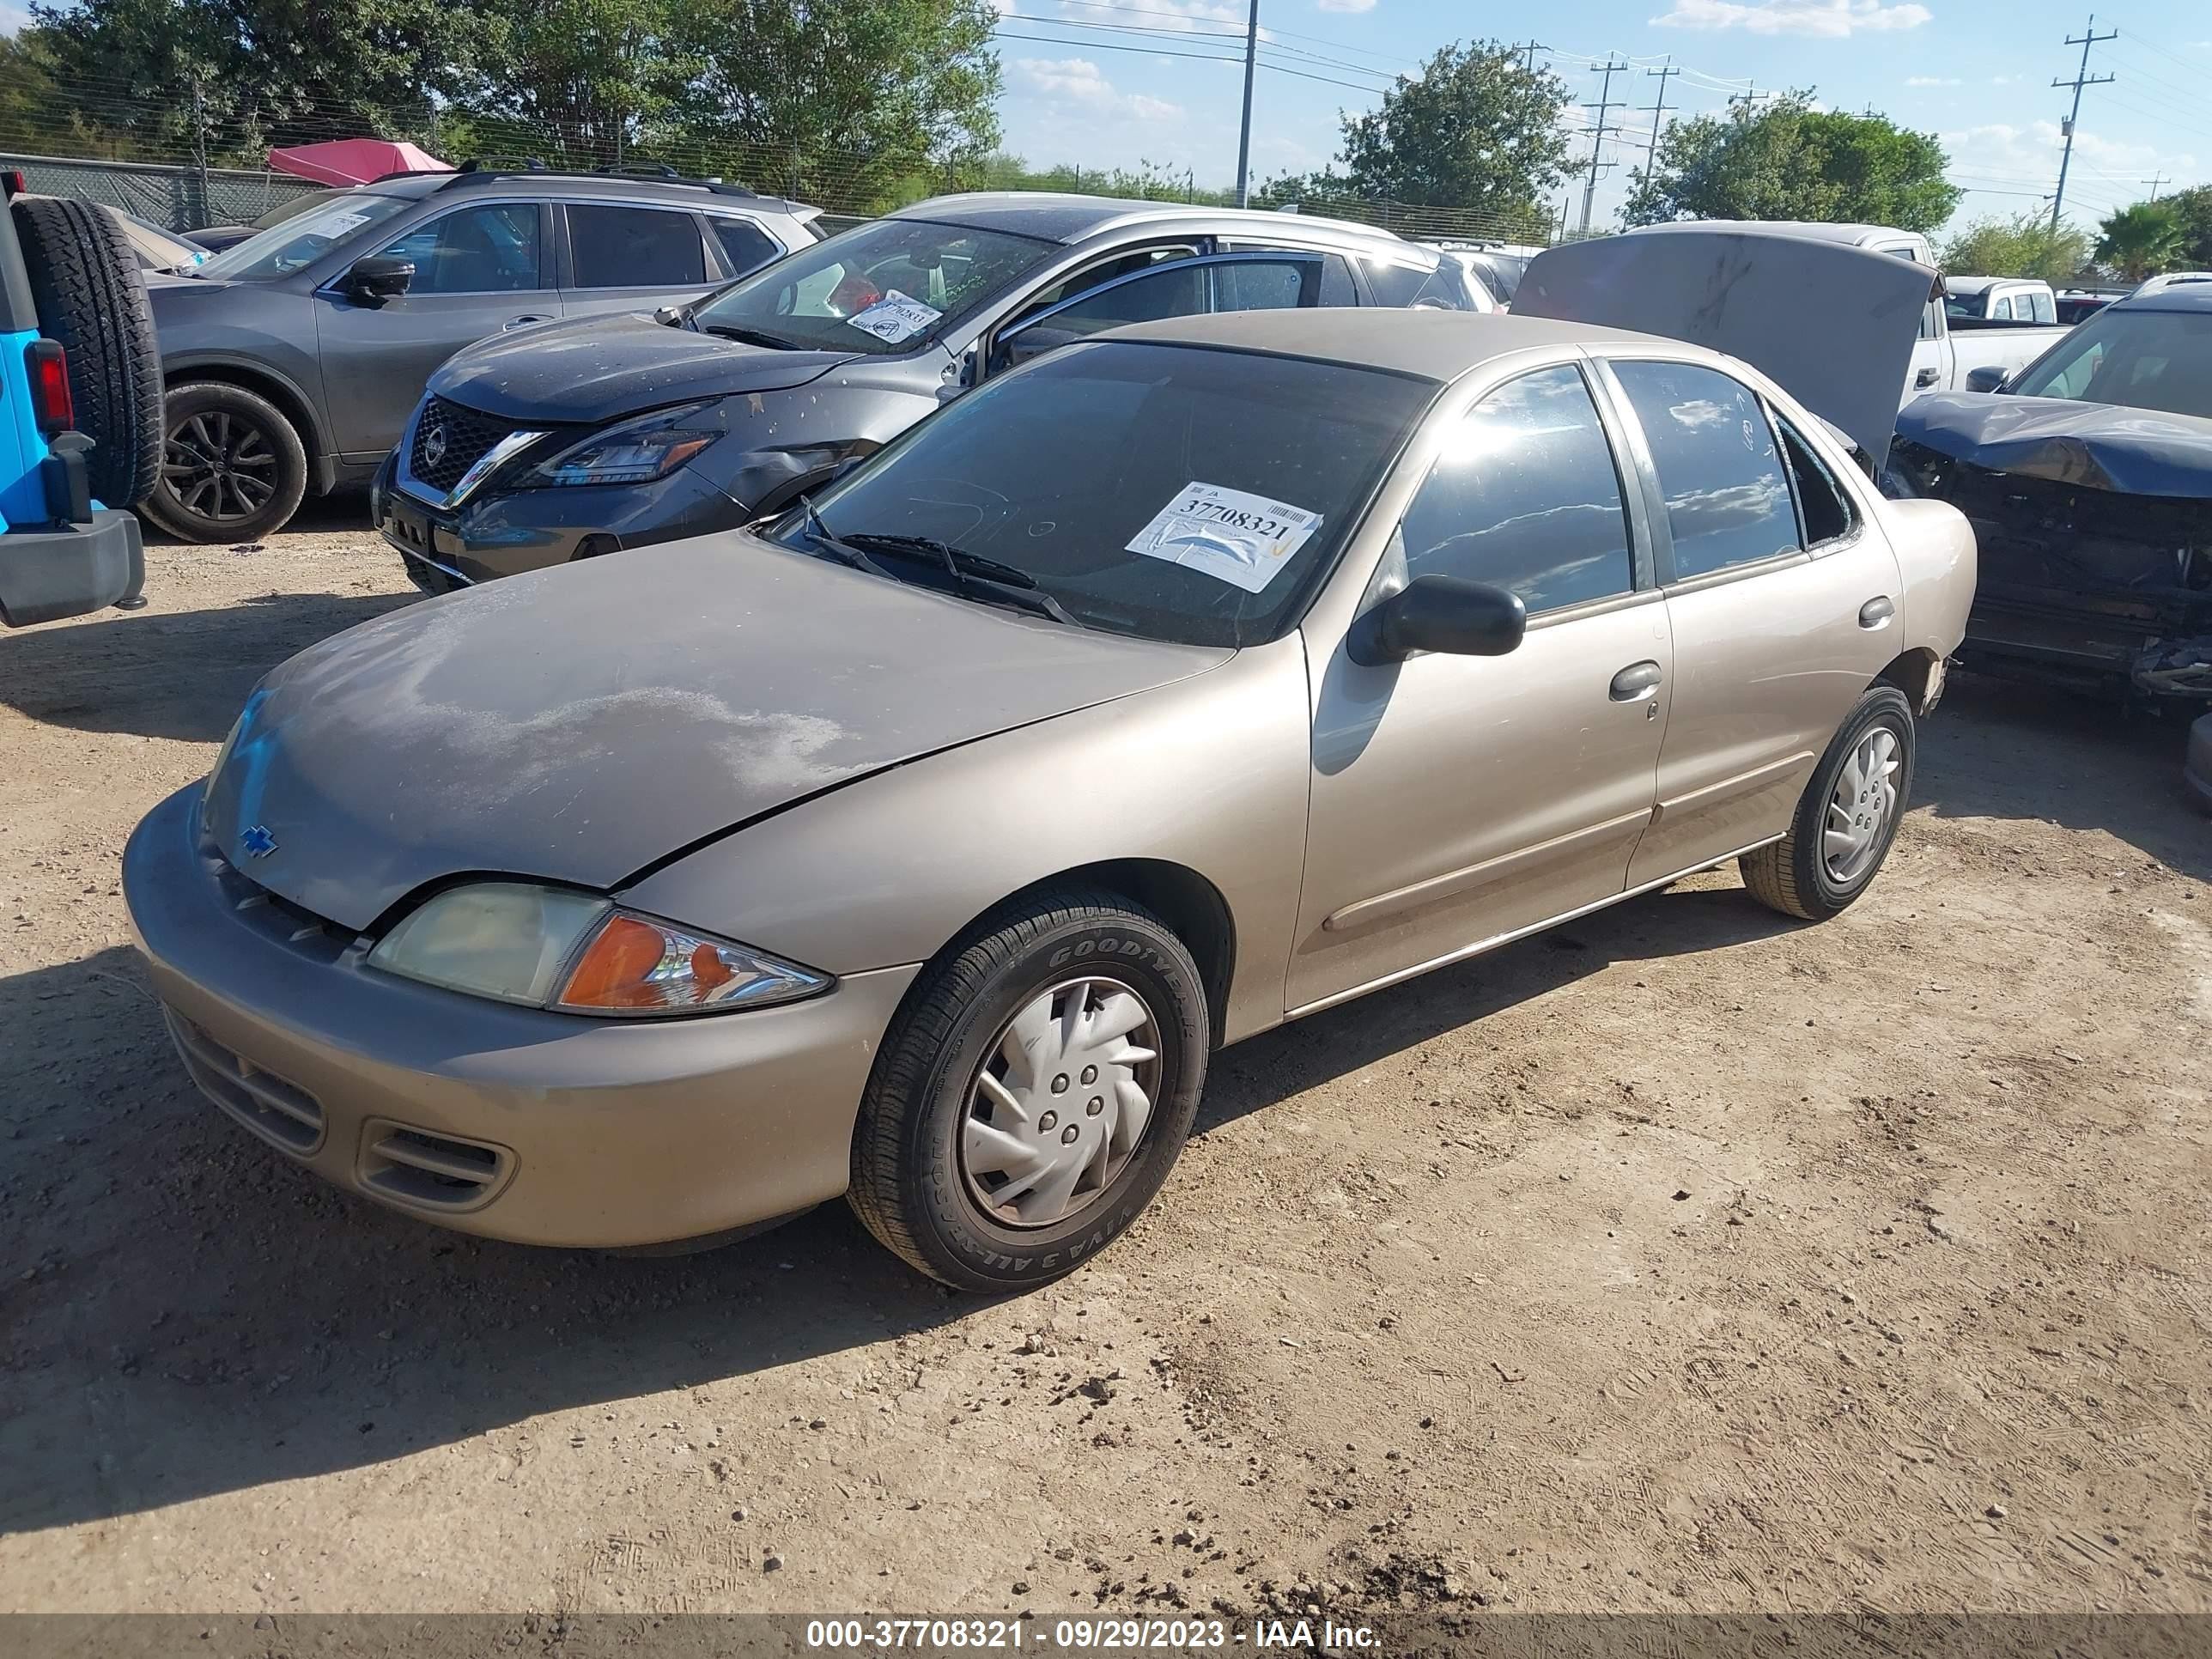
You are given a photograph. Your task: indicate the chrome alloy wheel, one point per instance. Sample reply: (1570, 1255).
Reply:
(1061, 1101)
(1860, 810)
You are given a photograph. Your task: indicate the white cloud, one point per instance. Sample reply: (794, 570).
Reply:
(1832, 19)
(2002, 80)
(1933, 81)
(1343, 5)
(1079, 82)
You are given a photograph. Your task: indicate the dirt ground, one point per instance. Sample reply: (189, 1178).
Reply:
(1683, 1260)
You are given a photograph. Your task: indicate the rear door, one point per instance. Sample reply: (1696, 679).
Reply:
(625, 256)
(478, 269)
(1781, 600)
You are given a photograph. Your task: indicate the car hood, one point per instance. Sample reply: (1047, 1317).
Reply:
(578, 724)
(1832, 323)
(591, 369)
(2134, 452)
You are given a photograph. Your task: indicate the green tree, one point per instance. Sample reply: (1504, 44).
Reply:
(1476, 130)
(232, 76)
(838, 100)
(574, 81)
(2142, 240)
(1784, 159)
(2193, 208)
(2022, 246)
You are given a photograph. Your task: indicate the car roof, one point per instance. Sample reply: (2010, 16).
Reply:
(1427, 343)
(581, 187)
(1069, 218)
(1855, 236)
(2182, 296)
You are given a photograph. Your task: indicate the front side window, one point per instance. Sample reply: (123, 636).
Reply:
(2160, 360)
(489, 249)
(348, 218)
(635, 247)
(885, 287)
(1524, 494)
(1728, 499)
(1169, 492)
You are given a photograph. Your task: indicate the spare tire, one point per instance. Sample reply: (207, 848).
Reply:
(91, 298)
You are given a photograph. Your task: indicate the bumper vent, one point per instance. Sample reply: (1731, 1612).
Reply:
(450, 439)
(430, 1171)
(281, 1113)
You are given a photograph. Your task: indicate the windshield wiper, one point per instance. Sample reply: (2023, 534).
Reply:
(844, 552)
(972, 571)
(746, 335)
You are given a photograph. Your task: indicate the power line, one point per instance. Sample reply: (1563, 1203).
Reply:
(2081, 78)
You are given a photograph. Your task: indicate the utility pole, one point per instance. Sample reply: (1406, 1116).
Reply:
(2156, 182)
(1658, 112)
(1749, 95)
(2081, 78)
(1528, 51)
(1244, 133)
(200, 149)
(1609, 69)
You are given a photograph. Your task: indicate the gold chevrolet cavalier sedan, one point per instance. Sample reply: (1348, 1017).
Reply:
(922, 845)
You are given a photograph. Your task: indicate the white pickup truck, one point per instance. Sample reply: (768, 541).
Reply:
(1998, 300)
(1971, 358)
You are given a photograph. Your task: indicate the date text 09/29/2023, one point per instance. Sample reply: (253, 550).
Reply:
(937, 1635)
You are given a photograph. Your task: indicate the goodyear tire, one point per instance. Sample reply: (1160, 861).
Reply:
(1033, 1093)
(91, 298)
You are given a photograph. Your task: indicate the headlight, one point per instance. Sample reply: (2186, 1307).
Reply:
(634, 451)
(549, 947)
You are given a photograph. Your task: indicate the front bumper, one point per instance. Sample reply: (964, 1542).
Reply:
(510, 1122)
(492, 535)
(47, 573)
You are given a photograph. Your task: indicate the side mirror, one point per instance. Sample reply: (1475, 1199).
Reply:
(375, 278)
(1446, 614)
(1988, 378)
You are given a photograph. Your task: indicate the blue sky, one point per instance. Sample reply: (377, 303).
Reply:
(1108, 84)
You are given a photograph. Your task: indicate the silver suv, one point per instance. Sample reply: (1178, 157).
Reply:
(292, 360)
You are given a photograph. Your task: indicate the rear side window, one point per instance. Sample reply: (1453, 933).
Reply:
(1826, 511)
(1728, 498)
(1524, 494)
(745, 246)
(1336, 285)
(635, 247)
(1413, 285)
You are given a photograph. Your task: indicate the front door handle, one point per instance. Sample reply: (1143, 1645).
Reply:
(1926, 378)
(1877, 612)
(1636, 682)
(513, 323)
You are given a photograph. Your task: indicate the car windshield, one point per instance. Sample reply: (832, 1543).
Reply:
(884, 287)
(2158, 360)
(302, 239)
(295, 208)
(1170, 492)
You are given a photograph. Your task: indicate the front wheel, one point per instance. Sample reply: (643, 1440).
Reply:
(1847, 817)
(233, 468)
(1033, 1094)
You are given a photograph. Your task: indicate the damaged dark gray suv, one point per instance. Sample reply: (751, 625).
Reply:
(581, 438)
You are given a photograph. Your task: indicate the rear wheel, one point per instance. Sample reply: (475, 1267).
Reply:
(233, 468)
(1847, 817)
(91, 298)
(1033, 1094)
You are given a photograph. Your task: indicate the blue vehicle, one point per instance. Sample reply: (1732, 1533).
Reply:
(80, 409)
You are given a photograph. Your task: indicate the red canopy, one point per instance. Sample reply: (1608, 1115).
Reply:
(354, 161)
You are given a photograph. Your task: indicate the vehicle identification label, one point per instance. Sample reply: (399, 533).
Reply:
(1233, 536)
(895, 318)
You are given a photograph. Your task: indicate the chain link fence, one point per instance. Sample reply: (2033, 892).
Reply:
(175, 198)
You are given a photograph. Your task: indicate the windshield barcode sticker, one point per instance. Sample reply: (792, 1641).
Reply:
(1233, 536)
(895, 318)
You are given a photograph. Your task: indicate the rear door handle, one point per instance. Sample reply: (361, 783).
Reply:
(1636, 682)
(513, 323)
(1877, 612)
(1926, 378)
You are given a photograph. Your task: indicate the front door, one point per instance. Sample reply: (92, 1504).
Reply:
(1455, 799)
(478, 269)
(1780, 599)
